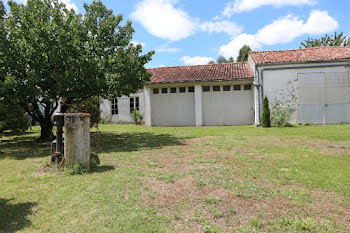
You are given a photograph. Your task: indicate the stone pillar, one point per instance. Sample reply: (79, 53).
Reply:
(198, 104)
(77, 139)
(148, 115)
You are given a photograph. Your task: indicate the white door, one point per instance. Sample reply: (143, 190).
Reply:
(173, 108)
(323, 98)
(228, 104)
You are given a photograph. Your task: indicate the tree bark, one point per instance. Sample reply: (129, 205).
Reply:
(46, 126)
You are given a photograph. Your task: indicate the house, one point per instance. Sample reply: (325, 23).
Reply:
(314, 81)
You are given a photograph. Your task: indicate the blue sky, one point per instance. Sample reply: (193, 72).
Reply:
(189, 32)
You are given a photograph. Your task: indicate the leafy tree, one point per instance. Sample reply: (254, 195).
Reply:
(12, 118)
(243, 53)
(51, 52)
(91, 106)
(327, 40)
(222, 59)
(266, 120)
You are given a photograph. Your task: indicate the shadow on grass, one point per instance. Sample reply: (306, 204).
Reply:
(100, 169)
(128, 142)
(14, 217)
(23, 147)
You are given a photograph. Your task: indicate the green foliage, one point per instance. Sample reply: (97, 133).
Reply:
(327, 40)
(77, 169)
(281, 113)
(94, 160)
(255, 223)
(12, 118)
(243, 53)
(212, 199)
(222, 59)
(137, 117)
(266, 120)
(52, 52)
(91, 106)
(209, 228)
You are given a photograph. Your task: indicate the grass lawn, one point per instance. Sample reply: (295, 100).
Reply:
(208, 179)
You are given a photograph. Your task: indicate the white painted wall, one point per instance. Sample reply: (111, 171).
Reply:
(172, 109)
(282, 84)
(124, 115)
(234, 107)
(198, 100)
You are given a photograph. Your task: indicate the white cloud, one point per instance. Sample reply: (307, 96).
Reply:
(167, 50)
(320, 22)
(283, 30)
(135, 42)
(163, 19)
(69, 4)
(196, 60)
(231, 28)
(247, 5)
(233, 47)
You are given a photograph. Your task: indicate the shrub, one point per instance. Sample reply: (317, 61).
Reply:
(77, 169)
(266, 121)
(12, 118)
(281, 113)
(137, 117)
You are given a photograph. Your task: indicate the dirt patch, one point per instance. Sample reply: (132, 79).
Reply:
(184, 203)
(47, 170)
(325, 147)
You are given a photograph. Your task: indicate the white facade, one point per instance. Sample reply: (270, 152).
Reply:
(123, 113)
(201, 103)
(319, 92)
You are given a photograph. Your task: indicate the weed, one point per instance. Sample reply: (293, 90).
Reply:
(255, 223)
(215, 212)
(233, 211)
(212, 199)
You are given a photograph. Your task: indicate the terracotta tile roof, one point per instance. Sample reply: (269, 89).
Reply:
(301, 55)
(213, 72)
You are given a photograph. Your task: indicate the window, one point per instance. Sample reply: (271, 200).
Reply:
(216, 88)
(134, 104)
(173, 90)
(155, 91)
(236, 87)
(115, 106)
(190, 89)
(164, 90)
(227, 88)
(247, 87)
(182, 89)
(206, 88)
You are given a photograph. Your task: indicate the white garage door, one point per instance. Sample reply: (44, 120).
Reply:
(228, 104)
(323, 98)
(173, 106)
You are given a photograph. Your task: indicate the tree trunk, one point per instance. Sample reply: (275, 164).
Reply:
(46, 130)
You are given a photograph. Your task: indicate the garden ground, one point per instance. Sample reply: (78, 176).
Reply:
(207, 179)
